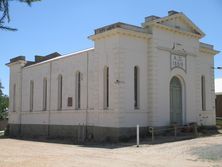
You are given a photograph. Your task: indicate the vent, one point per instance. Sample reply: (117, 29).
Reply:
(172, 12)
(151, 18)
(17, 59)
(38, 58)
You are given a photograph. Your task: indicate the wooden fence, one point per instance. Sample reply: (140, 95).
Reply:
(3, 124)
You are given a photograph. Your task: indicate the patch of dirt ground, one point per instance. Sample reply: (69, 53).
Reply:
(199, 152)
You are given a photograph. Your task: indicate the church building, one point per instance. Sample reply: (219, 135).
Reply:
(153, 75)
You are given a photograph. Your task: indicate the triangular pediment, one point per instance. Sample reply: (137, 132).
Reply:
(180, 22)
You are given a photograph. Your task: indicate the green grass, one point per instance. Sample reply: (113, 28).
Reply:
(209, 152)
(1, 133)
(219, 122)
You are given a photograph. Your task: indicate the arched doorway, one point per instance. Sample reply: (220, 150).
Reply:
(176, 114)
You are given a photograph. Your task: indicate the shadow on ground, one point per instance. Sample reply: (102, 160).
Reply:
(210, 152)
(158, 139)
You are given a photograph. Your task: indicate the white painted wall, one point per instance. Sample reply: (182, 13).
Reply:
(120, 52)
(15, 79)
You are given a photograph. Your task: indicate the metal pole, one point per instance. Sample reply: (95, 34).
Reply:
(151, 130)
(137, 135)
(83, 133)
(175, 131)
(195, 130)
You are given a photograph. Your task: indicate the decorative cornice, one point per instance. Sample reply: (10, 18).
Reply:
(22, 62)
(182, 18)
(208, 51)
(177, 52)
(177, 31)
(120, 31)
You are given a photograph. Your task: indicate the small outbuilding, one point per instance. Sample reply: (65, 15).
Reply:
(218, 92)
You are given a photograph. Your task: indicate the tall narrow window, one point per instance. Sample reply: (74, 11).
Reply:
(31, 95)
(78, 90)
(59, 92)
(203, 92)
(106, 87)
(136, 87)
(44, 105)
(14, 98)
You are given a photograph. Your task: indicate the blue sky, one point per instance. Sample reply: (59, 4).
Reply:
(63, 26)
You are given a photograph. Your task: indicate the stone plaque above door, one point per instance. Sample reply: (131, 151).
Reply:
(178, 61)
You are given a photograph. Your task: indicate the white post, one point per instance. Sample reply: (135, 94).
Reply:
(137, 135)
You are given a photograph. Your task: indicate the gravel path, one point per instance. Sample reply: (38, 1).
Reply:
(200, 152)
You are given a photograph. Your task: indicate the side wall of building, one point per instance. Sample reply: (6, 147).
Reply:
(133, 52)
(67, 121)
(68, 115)
(205, 62)
(15, 93)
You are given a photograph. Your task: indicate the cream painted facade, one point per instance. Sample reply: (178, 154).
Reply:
(175, 82)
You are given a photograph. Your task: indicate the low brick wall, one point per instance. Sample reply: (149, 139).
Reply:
(3, 124)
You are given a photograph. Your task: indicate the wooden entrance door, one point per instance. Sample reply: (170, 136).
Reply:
(175, 101)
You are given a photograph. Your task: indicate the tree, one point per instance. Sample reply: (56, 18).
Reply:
(4, 102)
(4, 12)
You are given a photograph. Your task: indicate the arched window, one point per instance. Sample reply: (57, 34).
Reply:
(136, 87)
(203, 92)
(59, 92)
(106, 87)
(14, 98)
(176, 101)
(31, 95)
(44, 104)
(78, 90)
